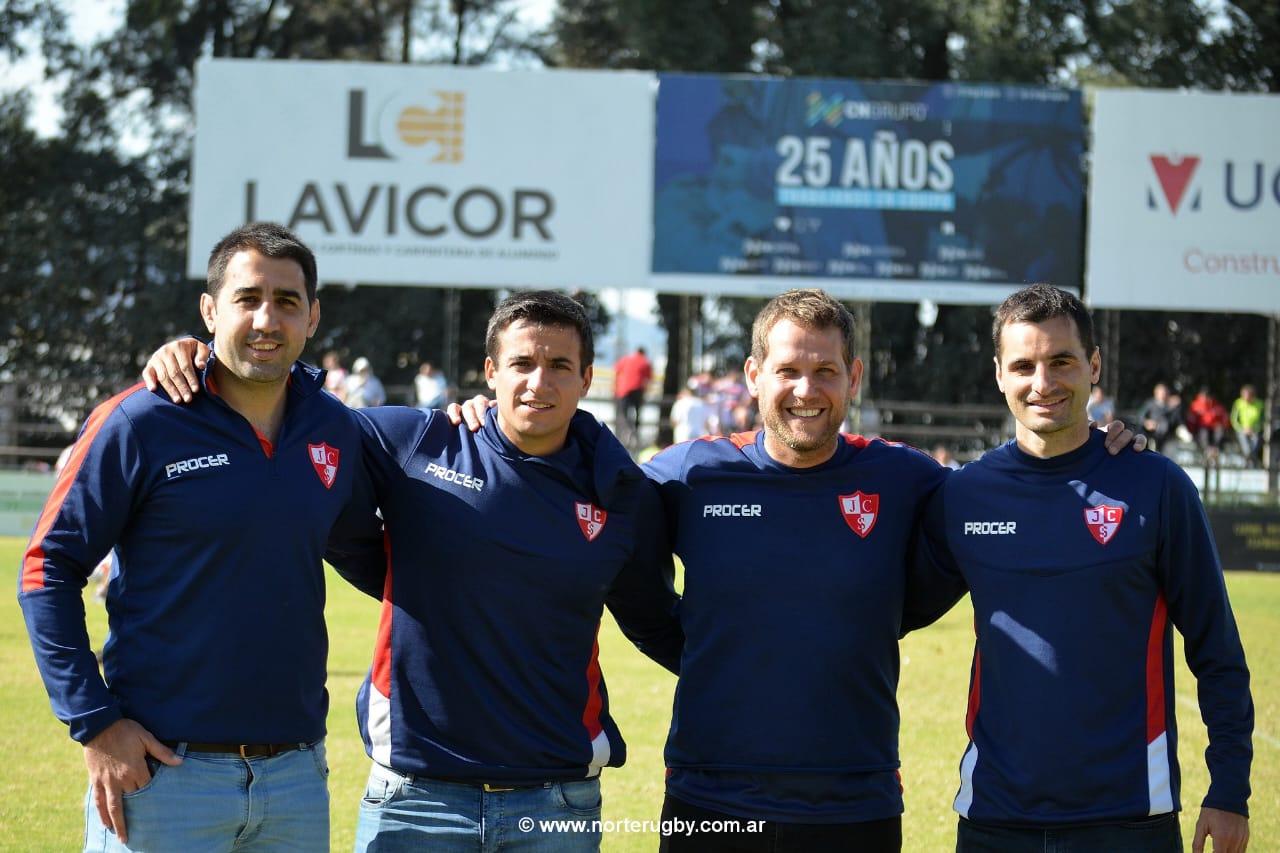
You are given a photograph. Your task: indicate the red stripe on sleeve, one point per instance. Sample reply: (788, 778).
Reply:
(381, 675)
(33, 560)
(1155, 670)
(591, 713)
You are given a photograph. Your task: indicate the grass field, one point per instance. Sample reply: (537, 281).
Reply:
(42, 780)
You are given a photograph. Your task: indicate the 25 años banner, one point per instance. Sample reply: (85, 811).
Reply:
(891, 191)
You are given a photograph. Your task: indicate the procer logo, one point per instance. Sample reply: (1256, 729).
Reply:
(406, 128)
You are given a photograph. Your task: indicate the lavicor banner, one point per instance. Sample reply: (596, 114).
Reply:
(953, 192)
(430, 175)
(1184, 205)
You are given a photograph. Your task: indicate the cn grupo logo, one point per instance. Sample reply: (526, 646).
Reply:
(423, 126)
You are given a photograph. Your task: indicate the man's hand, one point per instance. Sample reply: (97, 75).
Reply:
(472, 411)
(1230, 831)
(1119, 437)
(117, 762)
(176, 367)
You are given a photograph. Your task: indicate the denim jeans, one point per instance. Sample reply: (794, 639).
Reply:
(1159, 834)
(215, 802)
(407, 813)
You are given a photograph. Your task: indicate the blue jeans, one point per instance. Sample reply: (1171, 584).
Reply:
(1159, 834)
(407, 813)
(215, 802)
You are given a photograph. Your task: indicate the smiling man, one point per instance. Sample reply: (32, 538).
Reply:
(785, 710)
(213, 703)
(485, 703)
(1079, 565)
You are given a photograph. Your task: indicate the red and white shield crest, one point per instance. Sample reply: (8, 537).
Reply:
(860, 512)
(591, 519)
(325, 460)
(1103, 521)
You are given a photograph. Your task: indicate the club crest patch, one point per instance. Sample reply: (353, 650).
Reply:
(591, 519)
(1103, 521)
(860, 512)
(325, 460)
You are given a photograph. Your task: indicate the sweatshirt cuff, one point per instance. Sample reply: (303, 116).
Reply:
(1217, 800)
(89, 726)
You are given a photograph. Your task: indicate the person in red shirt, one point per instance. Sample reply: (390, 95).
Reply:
(631, 375)
(1208, 421)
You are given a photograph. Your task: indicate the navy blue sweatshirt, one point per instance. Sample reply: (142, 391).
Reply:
(216, 606)
(1079, 566)
(793, 603)
(500, 564)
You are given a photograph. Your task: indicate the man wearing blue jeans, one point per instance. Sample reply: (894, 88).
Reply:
(207, 731)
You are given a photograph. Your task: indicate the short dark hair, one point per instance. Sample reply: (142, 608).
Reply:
(265, 238)
(808, 307)
(1041, 302)
(547, 308)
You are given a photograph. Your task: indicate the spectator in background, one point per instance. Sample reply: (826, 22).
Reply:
(335, 377)
(692, 417)
(1156, 415)
(364, 389)
(1208, 421)
(942, 455)
(430, 387)
(631, 375)
(1246, 420)
(1101, 408)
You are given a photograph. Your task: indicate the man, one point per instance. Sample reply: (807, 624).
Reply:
(363, 389)
(795, 541)
(631, 376)
(430, 388)
(1208, 421)
(1077, 564)
(1246, 420)
(1156, 416)
(213, 704)
(485, 702)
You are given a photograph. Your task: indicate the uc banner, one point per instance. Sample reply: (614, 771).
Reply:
(891, 191)
(1184, 201)
(430, 175)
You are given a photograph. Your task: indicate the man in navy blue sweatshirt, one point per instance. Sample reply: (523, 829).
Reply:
(1079, 565)
(206, 732)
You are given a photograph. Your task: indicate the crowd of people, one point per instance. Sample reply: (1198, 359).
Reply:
(1205, 422)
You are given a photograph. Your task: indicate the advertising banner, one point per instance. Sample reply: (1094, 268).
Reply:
(430, 175)
(954, 192)
(1184, 202)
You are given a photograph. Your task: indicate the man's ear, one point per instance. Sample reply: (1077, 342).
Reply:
(209, 311)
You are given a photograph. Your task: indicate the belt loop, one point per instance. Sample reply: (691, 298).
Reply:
(181, 749)
(242, 755)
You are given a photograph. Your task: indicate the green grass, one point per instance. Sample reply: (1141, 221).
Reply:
(42, 781)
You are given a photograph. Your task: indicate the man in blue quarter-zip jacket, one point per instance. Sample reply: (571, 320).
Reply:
(213, 702)
(485, 703)
(1078, 565)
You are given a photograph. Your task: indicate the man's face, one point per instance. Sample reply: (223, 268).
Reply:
(1045, 376)
(804, 390)
(261, 318)
(538, 380)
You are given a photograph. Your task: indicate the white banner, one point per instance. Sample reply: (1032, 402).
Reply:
(430, 175)
(1184, 202)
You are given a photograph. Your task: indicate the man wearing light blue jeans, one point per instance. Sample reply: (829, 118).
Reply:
(204, 731)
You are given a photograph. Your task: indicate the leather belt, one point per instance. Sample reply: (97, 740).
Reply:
(244, 750)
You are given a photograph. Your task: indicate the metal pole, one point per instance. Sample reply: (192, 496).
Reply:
(1272, 408)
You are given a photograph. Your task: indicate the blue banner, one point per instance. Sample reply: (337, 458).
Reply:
(873, 190)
